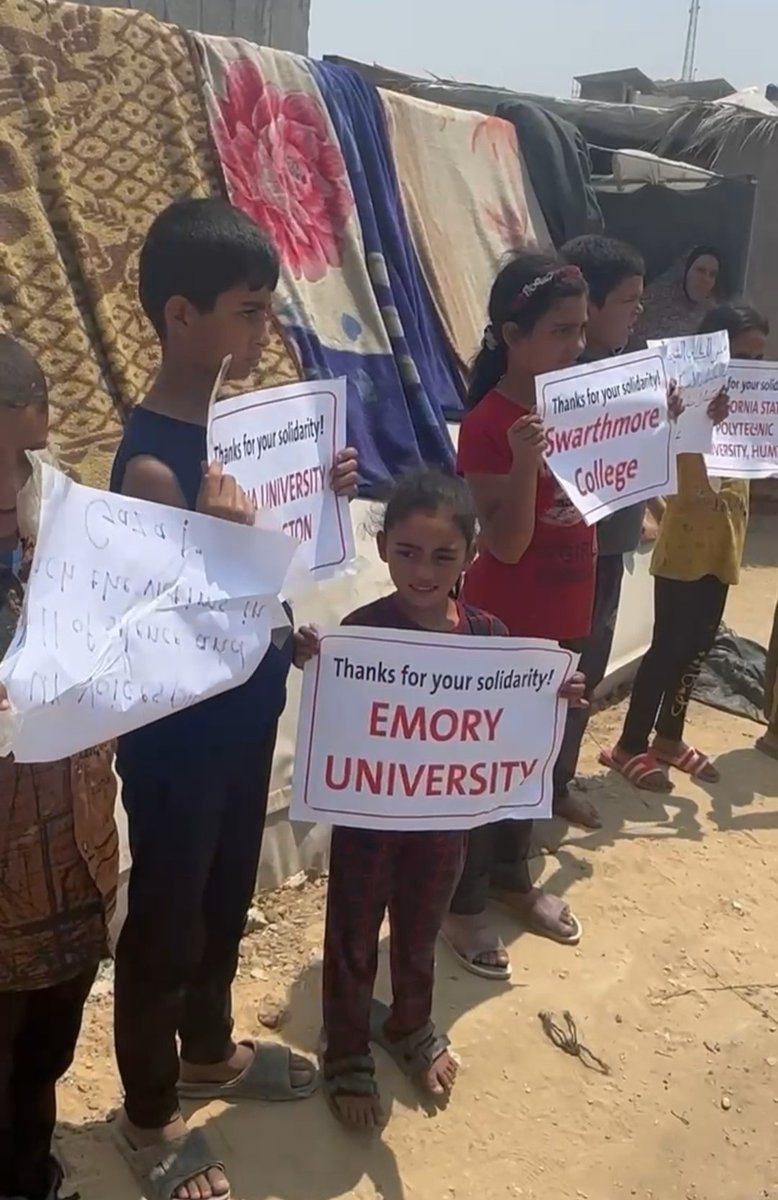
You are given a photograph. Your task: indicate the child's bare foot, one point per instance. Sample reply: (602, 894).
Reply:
(439, 1079)
(545, 915)
(208, 1184)
(352, 1094)
(576, 810)
(360, 1112)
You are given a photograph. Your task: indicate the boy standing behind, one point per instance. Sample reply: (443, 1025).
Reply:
(58, 847)
(195, 784)
(615, 276)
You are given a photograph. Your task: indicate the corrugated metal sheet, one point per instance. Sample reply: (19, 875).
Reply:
(282, 24)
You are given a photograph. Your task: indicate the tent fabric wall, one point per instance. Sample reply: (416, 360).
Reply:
(284, 165)
(283, 24)
(469, 202)
(664, 223)
(101, 126)
(412, 321)
(729, 140)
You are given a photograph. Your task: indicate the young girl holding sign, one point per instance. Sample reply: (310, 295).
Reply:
(536, 563)
(427, 540)
(696, 558)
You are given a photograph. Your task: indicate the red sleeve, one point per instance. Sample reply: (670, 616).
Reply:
(483, 446)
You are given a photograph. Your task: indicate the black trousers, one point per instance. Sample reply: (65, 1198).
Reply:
(195, 836)
(687, 616)
(38, 1035)
(595, 653)
(497, 856)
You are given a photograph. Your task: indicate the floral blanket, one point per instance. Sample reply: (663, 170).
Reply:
(427, 364)
(469, 203)
(283, 163)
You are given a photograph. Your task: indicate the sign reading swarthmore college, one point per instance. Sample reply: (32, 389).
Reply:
(610, 439)
(406, 730)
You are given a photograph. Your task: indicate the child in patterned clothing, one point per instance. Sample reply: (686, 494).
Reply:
(58, 847)
(427, 540)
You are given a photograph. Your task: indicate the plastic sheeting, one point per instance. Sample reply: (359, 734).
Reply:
(733, 676)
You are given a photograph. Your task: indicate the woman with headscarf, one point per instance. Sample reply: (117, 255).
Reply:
(675, 304)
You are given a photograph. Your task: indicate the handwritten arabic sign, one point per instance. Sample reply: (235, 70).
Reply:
(133, 611)
(280, 445)
(699, 365)
(404, 730)
(610, 442)
(745, 446)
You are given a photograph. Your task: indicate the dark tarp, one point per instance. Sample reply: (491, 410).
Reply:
(559, 167)
(664, 223)
(616, 126)
(733, 676)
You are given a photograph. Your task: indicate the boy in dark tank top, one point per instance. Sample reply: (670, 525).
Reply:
(195, 784)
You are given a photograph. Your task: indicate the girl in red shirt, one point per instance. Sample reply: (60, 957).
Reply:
(536, 558)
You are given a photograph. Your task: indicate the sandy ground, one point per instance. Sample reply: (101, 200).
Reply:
(675, 987)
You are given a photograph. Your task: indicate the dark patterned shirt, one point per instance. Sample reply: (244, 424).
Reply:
(59, 850)
(387, 614)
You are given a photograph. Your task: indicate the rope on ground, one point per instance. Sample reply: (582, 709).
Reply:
(567, 1040)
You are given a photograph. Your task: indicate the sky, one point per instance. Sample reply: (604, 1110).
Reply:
(540, 45)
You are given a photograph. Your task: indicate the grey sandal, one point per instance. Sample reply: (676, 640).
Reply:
(162, 1169)
(267, 1077)
(350, 1078)
(477, 939)
(414, 1054)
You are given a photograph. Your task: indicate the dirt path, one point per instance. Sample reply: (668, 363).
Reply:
(675, 986)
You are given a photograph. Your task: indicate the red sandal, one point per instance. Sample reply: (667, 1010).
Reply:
(636, 770)
(692, 762)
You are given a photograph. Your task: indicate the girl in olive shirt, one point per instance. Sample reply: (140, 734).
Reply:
(696, 559)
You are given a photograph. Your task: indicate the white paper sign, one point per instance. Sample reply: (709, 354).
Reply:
(611, 443)
(745, 446)
(132, 612)
(699, 365)
(406, 730)
(280, 445)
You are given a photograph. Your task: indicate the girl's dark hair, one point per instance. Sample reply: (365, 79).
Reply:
(525, 290)
(735, 319)
(22, 381)
(427, 490)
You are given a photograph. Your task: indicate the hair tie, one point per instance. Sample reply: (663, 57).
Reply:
(489, 341)
(568, 271)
